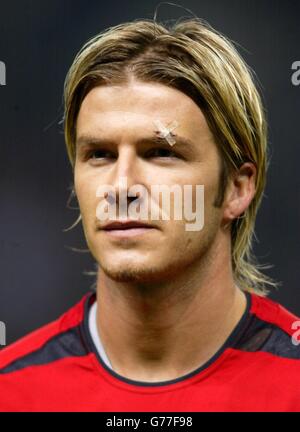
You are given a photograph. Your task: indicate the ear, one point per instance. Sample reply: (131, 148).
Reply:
(240, 192)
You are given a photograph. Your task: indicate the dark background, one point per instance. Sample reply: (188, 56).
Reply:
(40, 275)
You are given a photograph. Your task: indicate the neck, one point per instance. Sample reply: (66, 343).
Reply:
(158, 332)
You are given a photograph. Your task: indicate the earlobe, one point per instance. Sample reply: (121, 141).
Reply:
(234, 209)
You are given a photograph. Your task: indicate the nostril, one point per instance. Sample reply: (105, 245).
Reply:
(134, 197)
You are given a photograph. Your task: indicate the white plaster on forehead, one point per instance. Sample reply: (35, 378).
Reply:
(166, 131)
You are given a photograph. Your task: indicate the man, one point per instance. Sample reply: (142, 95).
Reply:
(180, 320)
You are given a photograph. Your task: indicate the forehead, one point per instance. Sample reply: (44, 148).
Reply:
(144, 97)
(140, 104)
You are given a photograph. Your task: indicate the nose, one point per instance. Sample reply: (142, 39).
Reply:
(125, 174)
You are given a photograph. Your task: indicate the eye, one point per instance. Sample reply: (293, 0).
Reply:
(160, 152)
(97, 154)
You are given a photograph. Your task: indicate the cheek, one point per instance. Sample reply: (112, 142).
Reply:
(185, 246)
(86, 195)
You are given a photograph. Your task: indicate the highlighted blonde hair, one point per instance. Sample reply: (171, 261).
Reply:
(194, 58)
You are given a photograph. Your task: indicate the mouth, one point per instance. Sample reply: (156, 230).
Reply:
(127, 228)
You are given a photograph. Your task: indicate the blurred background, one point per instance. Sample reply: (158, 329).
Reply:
(41, 275)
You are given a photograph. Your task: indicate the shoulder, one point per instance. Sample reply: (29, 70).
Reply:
(274, 313)
(274, 329)
(29, 346)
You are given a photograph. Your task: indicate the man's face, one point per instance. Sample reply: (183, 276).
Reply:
(123, 118)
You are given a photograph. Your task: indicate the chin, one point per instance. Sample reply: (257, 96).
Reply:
(137, 273)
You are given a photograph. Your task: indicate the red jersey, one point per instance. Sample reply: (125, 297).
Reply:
(57, 368)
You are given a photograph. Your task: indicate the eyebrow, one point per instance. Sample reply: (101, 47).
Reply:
(183, 142)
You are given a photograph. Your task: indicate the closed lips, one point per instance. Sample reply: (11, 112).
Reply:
(125, 225)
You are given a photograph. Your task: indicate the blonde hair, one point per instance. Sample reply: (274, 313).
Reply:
(194, 58)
